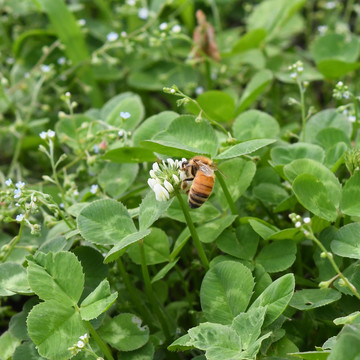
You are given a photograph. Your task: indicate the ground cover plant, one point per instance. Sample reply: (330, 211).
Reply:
(103, 105)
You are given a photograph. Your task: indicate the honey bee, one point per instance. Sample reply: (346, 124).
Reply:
(199, 170)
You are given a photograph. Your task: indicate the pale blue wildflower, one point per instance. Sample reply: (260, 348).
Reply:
(8, 182)
(20, 217)
(94, 189)
(112, 36)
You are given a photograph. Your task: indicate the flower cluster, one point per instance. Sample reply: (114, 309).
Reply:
(301, 223)
(165, 178)
(47, 134)
(296, 69)
(77, 347)
(341, 91)
(352, 160)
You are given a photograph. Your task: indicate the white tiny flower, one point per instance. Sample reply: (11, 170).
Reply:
(352, 118)
(300, 69)
(50, 133)
(168, 186)
(61, 60)
(80, 344)
(322, 29)
(346, 95)
(297, 224)
(19, 218)
(293, 75)
(94, 189)
(20, 184)
(17, 193)
(143, 13)
(81, 22)
(125, 115)
(45, 68)
(68, 94)
(43, 135)
(61, 205)
(131, 2)
(76, 193)
(112, 36)
(330, 5)
(307, 220)
(163, 26)
(339, 84)
(96, 149)
(306, 233)
(17, 204)
(176, 29)
(10, 60)
(121, 133)
(199, 90)
(176, 179)
(161, 193)
(84, 337)
(8, 182)
(155, 166)
(172, 91)
(123, 34)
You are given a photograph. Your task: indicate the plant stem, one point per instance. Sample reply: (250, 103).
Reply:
(333, 263)
(139, 305)
(102, 345)
(14, 241)
(227, 193)
(302, 105)
(193, 232)
(150, 293)
(354, 134)
(348, 9)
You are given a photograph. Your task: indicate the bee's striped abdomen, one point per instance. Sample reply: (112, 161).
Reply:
(200, 189)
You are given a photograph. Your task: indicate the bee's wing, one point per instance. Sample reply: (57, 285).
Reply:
(206, 170)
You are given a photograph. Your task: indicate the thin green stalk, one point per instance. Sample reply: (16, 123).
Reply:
(227, 193)
(149, 290)
(354, 134)
(208, 74)
(333, 264)
(348, 9)
(134, 297)
(14, 241)
(193, 232)
(302, 105)
(102, 345)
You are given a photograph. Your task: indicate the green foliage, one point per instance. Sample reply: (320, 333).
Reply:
(101, 256)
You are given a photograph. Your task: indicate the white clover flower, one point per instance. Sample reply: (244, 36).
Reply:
(176, 179)
(297, 224)
(17, 193)
(163, 26)
(112, 36)
(20, 184)
(155, 166)
(80, 344)
(81, 22)
(20, 217)
(161, 193)
(171, 162)
(45, 68)
(61, 60)
(94, 189)
(125, 115)
(176, 29)
(143, 13)
(152, 174)
(307, 220)
(152, 183)
(168, 186)
(8, 182)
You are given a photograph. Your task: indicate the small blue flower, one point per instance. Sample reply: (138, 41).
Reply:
(125, 115)
(61, 60)
(143, 13)
(50, 133)
(43, 135)
(45, 68)
(94, 189)
(112, 36)
(17, 193)
(20, 184)
(96, 149)
(20, 217)
(8, 182)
